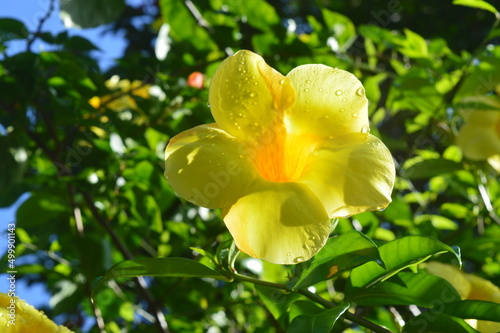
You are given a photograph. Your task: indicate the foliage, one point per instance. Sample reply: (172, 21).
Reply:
(88, 145)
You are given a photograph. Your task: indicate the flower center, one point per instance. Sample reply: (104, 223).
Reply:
(281, 157)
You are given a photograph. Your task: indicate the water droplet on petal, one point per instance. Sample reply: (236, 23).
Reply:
(320, 89)
(360, 92)
(342, 110)
(208, 104)
(308, 81)
(282, 81)
(306, 90)
(252, 94)
(365, 129)
(344, 99)
(298, 260)
(355, 115)
(338, 92)
(288, 254)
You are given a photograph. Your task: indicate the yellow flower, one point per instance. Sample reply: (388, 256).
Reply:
(287, 154)
(479, 138)
(470, 287)
(122, 98)
(17, 316)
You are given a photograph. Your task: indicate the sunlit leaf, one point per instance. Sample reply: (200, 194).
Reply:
(339, 254)
(476, 4)
(397, 255)
(406, 288)
(159, 267)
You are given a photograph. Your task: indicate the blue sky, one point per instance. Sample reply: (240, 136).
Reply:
(30, 12)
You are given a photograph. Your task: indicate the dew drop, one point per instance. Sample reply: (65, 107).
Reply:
(288, 254)
(298, 260)
(315, 72)
(360, 92)
(355, 115)
(308, 81)
(344, 99)
(306, 90)
(320, 89)
(282, 81)
(252, 94)
(342, 110)
(208, 104)
(338, 92)
(365, 129)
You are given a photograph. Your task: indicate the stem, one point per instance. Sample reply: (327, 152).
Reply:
(485, 196)
(40, 24)
(315, 298)
(160, 322)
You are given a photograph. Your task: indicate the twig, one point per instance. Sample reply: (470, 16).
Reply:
(316, 298)
(160, 322)
(198, 17)
(40, 25)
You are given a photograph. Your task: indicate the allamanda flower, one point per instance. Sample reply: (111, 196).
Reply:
(471, 287)
(286, 154)
(479, 137)
(17, 316)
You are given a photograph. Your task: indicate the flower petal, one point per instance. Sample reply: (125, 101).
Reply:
(27, 318)
(244, 95)
(205, 166)
(283, 223)
(479, 140)
(351, 174)
(328, 101)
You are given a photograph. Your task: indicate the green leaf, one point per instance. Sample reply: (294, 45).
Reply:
(437, 221)
(421, 289)
(473, 309)
(339, 254)
(435, 321)
(278, 302)
(317, 323)
(12, 29)
(159, 267)
(414, 46)
(183, 27)
(397, 255)
(430, 168)
(40, 208)
(259, 13)
(89, 13)
(476, 4)
(341, 27)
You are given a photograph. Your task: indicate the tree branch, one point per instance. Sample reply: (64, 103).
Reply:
(40, 25)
